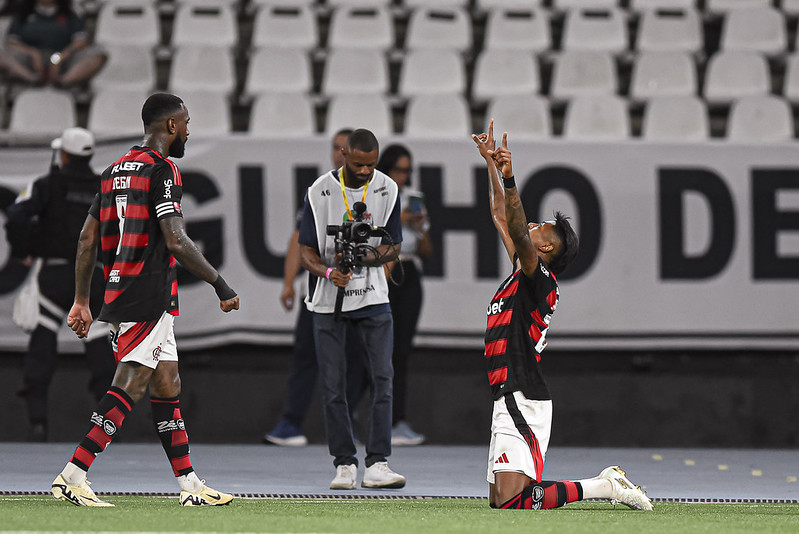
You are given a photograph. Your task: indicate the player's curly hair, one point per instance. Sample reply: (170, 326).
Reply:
(159, 106)
(570, 244)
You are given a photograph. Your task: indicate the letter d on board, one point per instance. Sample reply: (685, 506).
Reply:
(674, 262)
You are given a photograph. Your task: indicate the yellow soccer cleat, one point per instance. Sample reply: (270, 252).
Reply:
(205, 497)
(79, 495)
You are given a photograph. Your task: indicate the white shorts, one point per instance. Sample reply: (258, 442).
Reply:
(147, 342)
(519, 436)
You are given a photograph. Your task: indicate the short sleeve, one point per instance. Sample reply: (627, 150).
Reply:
(308, 227)
(166, 191)
(394, 225)
(94, 209)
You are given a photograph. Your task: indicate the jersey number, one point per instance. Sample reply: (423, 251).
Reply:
(122, 204)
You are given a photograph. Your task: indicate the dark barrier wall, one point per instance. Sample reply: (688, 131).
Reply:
(662, 399)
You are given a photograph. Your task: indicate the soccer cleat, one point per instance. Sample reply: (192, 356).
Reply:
(380, 475)
(346, 476)
(204, 497)
(79, 495)
(287, 435)
(402, 435)
(623, 491)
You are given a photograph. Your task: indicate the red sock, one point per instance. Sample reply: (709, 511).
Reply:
(106, 422)
(172, 432)
(545, 495)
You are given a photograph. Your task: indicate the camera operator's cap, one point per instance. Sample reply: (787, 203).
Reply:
(75, 141)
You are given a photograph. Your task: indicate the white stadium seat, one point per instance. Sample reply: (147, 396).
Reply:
(359, 111)
(355, 71)
(132, 24)
(438, 117)
(670, 30)
(791, 84)
(211, 115)
(643, 5)
(663, 74)
(580, 4)
(595, 29)
(278, 70)
(127, 67)
(284, 115)
(757, 29)
(447, 28)
(724, 6)
(596, 118)
(361, 27)
(732, 74)
(42, 112)
(285, 27)
(432, 71)
(675, 119)
(760, 119)
(526, 116)
(116, 112)
(579, 72)
(521, 29)
(507, 73)
(196, 68)
(205, 25)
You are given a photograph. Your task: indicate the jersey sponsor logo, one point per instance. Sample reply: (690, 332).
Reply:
(107, 425)
(544, 270)
(127, 166)
(502, 459)
(157, 353)
(495, 307)
(113, 276)
(538, 497)
(358, 292)
(171, 425)
(168, 188)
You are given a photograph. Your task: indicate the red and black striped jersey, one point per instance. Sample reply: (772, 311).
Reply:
(137, 191)
(518, 321)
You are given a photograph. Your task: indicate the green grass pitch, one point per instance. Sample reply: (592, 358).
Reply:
(21, 514)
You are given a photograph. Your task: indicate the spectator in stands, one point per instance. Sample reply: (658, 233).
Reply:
(364, 304)
(302, 380)
(47, 44)
(405, 294)
(45, 222)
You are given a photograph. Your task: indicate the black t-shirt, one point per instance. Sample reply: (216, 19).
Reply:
(516, 329)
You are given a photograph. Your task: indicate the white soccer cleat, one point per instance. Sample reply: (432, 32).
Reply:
(79, 495)
(380, 475)
(623, 491)
(346, 476)
(204, 497)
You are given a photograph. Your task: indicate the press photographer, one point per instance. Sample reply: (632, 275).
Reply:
(349, 263)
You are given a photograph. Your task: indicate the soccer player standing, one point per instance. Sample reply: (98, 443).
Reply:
(519, 315)
(137, 220)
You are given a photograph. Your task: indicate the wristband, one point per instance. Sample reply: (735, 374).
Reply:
(327, 274)
(223, 291)
(509, 182)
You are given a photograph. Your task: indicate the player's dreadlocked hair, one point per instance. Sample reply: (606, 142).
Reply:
(570, 244)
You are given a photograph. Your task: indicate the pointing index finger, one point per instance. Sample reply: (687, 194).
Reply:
(505, 140)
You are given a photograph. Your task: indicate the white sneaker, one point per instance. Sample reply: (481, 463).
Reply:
(380, 475)
(346, 477)
(623, 490)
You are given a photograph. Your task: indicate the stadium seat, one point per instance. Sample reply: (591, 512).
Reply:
(432, 71)
(595, 29)
(563, 5)
(757, 30)
(791, 84)
(760, 119)
(579, 72)
(438, 117)
(644, 5)
(675, 118)
(359, 111)
(359, 3)
(130, 24)
(734, 74)
(670, 30)
(663, 74)
(499, 5)
(197, 68)
(285, 115)
(790, 7)
(42, 112)
(116, 112)
(361, 27)
(596, 118)
(355, 71)
(285, 27)
(283, 3)
(278, 70)
(510, 72)
(415, 4)
(209, 112)
(204, 25)
(522, 29)
(526, 116)
(127, 67)
(723, 6)
(447, 28)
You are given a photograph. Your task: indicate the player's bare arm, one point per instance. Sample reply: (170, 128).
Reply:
(186, 252)
(80, 317)
(496, 192)
(291, 266)
(514, 211)
(314, 264)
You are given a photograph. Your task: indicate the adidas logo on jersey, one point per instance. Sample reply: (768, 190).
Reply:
(502, 459)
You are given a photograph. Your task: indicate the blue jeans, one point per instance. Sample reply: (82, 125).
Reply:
(376, 335)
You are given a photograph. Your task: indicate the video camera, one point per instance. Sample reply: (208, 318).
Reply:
(350, 234)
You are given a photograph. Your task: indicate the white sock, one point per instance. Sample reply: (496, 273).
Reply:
(73, 474)
(596, 488)
(190, 483)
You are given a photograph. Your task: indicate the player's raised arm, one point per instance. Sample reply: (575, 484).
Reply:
(496, 193)
(518, 229)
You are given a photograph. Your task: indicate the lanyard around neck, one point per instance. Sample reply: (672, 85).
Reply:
(344, 192)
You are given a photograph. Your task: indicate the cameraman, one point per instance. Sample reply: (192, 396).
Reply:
(365, 304)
